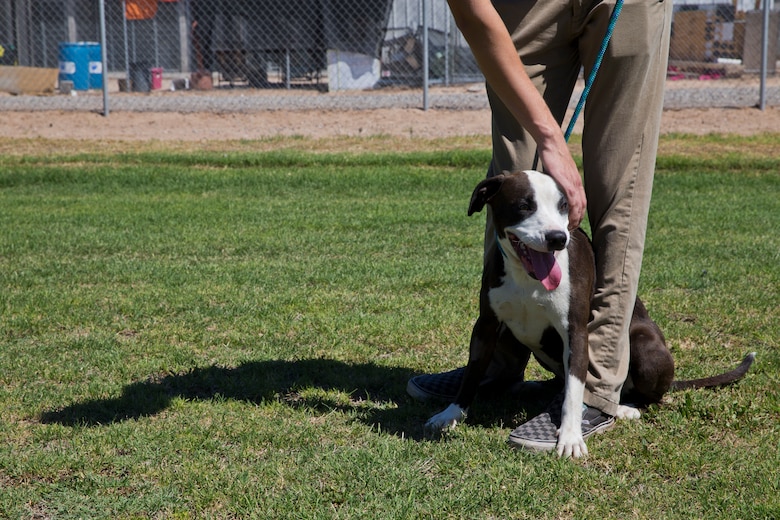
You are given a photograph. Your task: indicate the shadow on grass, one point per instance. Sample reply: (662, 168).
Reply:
(258, 382)
(376, 395)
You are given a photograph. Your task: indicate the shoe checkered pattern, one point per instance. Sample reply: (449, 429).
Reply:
(443, 386)
(541, 432)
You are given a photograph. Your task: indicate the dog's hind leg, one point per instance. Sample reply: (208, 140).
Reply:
(651, 368)
(627, 411)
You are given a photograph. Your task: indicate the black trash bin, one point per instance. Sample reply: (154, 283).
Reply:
(140, 77)
(8, 54)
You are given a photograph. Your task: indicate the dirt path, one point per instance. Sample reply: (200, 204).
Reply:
(411, 123)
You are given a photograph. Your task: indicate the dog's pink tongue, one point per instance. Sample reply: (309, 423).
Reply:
(546, 269)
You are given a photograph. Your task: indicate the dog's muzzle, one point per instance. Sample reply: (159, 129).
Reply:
(541, 265)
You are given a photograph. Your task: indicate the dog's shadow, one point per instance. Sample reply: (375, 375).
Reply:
(377, 395)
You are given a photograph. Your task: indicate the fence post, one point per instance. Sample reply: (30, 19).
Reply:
(764, 56)
(425, 70)
(447, 42)
(124, 36)
(103, 55)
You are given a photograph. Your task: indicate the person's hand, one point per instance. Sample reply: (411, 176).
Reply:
(559, 164)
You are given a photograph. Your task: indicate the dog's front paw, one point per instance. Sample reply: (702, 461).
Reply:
(571, 444)
(449, 418)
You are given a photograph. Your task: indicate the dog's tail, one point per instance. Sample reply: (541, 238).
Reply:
(719, 380)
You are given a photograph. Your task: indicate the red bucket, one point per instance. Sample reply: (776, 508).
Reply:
(156, 78)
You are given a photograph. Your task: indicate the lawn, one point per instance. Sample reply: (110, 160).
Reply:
(229, 335)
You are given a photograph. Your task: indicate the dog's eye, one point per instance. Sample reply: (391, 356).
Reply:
(563, 205)
(524, 206)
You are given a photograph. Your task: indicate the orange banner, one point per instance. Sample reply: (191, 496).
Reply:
(140, 9)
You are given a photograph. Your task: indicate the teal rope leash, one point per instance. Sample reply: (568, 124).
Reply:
(592, 76)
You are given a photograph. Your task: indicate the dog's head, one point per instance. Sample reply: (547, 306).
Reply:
(531, 216)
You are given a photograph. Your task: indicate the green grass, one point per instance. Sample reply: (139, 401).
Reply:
(218, 335)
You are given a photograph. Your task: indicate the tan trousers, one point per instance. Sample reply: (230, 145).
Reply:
(619, 144)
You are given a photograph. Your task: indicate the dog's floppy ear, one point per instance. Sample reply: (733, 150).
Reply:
(485, 191)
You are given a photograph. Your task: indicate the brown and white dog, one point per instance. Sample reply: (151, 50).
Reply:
(538, 282)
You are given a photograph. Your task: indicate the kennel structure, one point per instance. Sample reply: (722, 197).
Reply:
(259, 43)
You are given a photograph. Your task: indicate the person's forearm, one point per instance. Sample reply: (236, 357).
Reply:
(497, 57)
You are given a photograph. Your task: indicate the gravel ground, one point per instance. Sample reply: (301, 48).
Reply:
(679, 94)
(250, 114)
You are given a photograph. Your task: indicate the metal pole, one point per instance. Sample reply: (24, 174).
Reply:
(447, 42)
(156, 42)
(184, 40)
(425, 70)
(104, 55)
(43, 44)
(287, 68)
(127, 58)
(764, 56)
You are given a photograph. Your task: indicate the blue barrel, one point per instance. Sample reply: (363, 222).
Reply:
(80, 63)
(95, 66)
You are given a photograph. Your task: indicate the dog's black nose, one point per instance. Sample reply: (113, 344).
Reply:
(556, 240)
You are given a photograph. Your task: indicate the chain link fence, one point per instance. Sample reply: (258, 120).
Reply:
(243, 55)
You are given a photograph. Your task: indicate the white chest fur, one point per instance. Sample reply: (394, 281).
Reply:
(527, 308)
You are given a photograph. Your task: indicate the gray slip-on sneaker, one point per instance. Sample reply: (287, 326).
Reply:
(440, 387)
(444, 386)
(541, 432)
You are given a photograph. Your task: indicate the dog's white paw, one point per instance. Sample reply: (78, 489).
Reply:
(571, 444)
(449, 418)
(627, 412)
